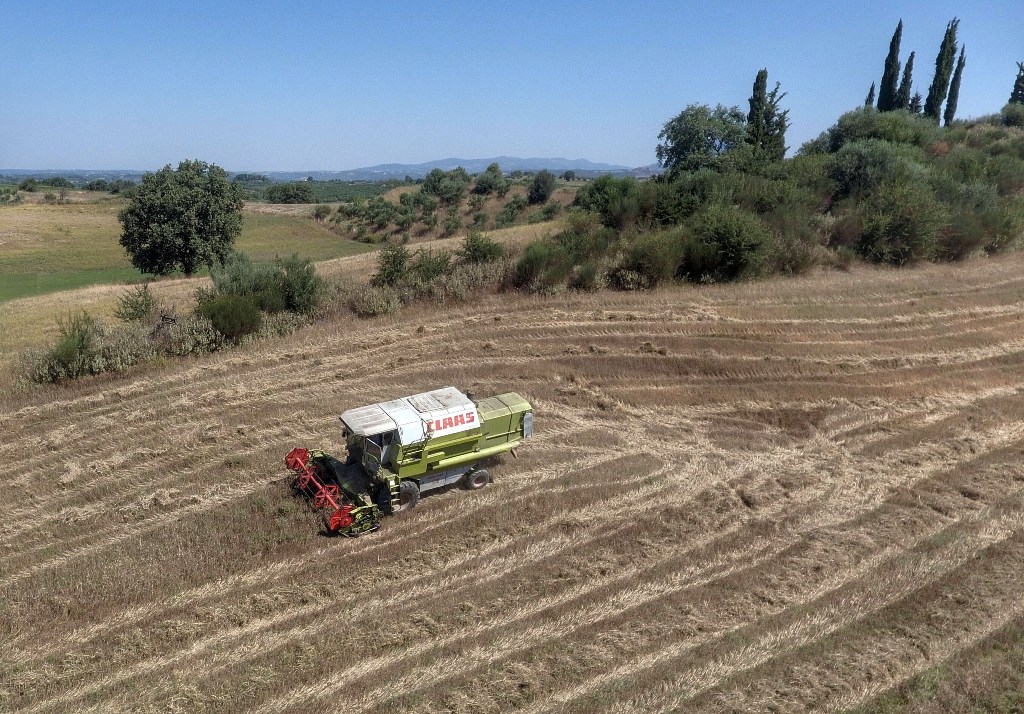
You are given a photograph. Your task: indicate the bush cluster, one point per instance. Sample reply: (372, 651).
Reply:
(247, 301)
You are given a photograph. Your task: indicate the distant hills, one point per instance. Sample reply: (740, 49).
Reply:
(382, 172)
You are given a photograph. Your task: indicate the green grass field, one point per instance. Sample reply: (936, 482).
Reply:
(47, 248)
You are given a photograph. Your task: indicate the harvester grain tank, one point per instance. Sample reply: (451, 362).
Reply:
(401, 448)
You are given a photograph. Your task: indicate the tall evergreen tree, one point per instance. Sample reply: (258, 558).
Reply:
(903, 93)
(869, 101)
(776, 122)
(891, 73)
(916, 103)
(954, 88)
(943, 69)
(767, 121)
(756, 128)
(1017, 96)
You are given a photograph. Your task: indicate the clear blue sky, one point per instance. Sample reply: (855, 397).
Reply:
(336, 85)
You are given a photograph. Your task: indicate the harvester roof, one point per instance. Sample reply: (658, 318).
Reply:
(441, 411)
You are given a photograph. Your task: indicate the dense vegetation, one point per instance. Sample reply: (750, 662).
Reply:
(247, 301)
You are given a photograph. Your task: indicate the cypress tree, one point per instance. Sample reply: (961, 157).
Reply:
(903, 93)
(869, 101)
(756, 128)
(776, 122)
(1017, 96)
(954, 88)
(915, 103)
(943, 69)
(891, 73)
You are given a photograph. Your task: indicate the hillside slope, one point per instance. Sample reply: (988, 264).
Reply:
(791, 493)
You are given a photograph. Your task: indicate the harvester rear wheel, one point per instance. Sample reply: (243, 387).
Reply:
(476, 480)
(408, 495)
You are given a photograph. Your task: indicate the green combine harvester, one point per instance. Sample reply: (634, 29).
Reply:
(399, 449)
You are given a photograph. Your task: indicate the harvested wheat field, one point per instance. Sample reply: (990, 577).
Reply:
(784, 495)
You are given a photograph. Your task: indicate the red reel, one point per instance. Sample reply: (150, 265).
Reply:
(297, 459)
(327, 495)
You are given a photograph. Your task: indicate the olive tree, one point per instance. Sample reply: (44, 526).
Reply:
(699, 136)
(183, 218)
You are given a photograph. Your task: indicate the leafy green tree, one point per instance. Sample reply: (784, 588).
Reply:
(903, 93)
(890, 75)
(183, 218)
(542, 186)
(294, 192)
(447, 186)
(569, 176)
(1017, 95)
(699, 136)
(492, 180)
(954, 88)
(30, 185)
(943, 69)
(869, 101)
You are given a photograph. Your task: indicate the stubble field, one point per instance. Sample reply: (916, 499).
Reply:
(790, 494)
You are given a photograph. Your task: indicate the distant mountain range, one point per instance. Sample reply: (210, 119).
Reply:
(382, 172)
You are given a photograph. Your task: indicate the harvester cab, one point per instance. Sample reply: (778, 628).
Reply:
(400, 448)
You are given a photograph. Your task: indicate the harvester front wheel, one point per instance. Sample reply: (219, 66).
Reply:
(408, 495)
(475, 480)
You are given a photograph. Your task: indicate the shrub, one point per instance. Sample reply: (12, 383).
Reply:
(137, 305)
(859, 167)
(763, 195)
(452, 223)
(321, 212)
(727, 243)
(1006, 173)
(490, 181)
(901, 223)
(542, 186)
(478, 248)
(1013, 115)
(541, 267)
(372, 301)
(302, 290)
(187, 336)
(588, 277)
(9, 195)
(75, 354)
(899, 127)
(125, 347)
(392, 265)
(258, 282)
(85, 347)
(479, 220)
(456, 284)
(234, 316)
(428, 265)
(601, 194)
(507, 216)
(655, 257)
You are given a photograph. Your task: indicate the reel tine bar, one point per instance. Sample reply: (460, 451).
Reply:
(323, 495)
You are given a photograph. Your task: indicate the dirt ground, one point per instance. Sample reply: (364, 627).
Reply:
(787, 495)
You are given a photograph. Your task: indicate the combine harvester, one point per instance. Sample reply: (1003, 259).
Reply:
(398, 449)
